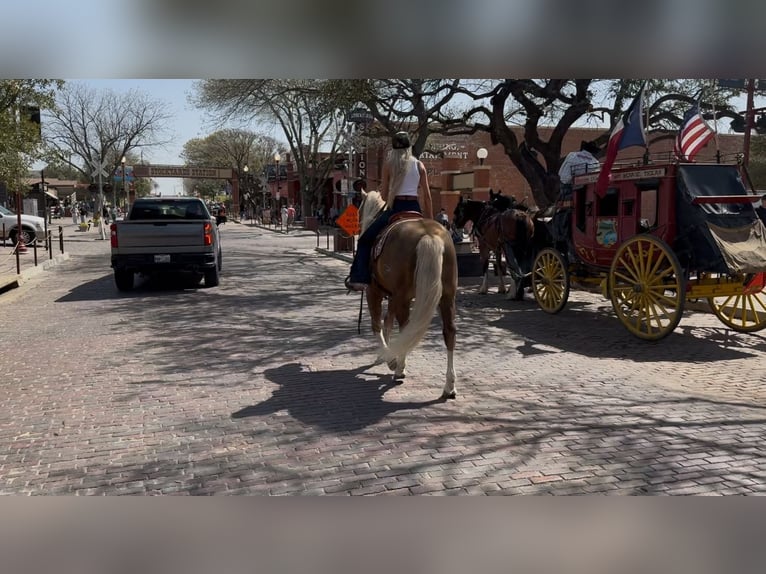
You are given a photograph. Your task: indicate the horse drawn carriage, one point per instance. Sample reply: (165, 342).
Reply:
(660, 236)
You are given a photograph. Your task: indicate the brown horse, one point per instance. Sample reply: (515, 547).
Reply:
(507, 232)
(417, 261)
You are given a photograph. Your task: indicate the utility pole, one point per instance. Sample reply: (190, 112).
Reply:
(749, 121)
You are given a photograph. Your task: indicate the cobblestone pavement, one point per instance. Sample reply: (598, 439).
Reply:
(263, 386)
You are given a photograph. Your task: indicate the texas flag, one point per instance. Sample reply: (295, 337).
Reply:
(629, 131)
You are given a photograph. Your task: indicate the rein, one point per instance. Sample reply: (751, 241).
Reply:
(359, 321)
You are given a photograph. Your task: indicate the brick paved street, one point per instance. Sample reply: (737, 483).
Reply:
(262, 386)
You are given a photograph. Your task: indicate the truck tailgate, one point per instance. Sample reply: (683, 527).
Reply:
(160, 234)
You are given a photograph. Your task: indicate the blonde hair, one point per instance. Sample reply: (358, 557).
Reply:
(398, 162)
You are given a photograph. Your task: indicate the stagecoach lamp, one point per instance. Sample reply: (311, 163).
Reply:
(481, 153)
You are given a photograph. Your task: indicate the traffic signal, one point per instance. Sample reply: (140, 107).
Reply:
(32, 115)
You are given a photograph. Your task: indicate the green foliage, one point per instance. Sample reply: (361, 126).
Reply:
(20, 144)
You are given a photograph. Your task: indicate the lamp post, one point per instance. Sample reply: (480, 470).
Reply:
(481, 153)
(122, 161)
(277, 157)
(246, 169)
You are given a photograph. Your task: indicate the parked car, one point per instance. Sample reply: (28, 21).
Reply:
(31, 226)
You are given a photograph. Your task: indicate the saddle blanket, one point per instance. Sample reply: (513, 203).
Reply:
(396, 219)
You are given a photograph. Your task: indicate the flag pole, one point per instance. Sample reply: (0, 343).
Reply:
(646, 130)
(715, 124)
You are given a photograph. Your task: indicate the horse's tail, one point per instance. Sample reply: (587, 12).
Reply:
(428, 292)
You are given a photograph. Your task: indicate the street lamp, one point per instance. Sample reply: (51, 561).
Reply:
(247, 186)
(481, 153)
(122, 161)
(277, 157)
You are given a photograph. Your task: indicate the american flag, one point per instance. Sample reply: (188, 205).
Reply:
(693, 135)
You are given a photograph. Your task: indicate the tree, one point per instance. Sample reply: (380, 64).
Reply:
(20, 143)
(311, 123)
(224, 148)
(557, 104)
(411, 105)
(88, 127)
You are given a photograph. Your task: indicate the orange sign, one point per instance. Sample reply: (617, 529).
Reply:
(348, 221)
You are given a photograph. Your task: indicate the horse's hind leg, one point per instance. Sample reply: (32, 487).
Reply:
(401, 309)
(447, 311)
(375, 306)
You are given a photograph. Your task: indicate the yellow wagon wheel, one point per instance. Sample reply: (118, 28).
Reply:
(550, 281)
(647, 289)
(744, 312)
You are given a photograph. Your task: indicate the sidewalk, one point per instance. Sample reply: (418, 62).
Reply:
(73, 237)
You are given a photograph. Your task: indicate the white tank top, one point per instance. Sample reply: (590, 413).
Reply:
(410, 181)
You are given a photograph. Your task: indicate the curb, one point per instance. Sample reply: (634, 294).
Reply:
(14, 281)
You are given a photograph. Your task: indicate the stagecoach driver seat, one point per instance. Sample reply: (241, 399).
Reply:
(404, 187)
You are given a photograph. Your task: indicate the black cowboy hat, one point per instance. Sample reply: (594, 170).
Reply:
(590, 147)
(401, 140)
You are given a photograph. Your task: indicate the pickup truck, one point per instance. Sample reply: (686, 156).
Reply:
(166, 234)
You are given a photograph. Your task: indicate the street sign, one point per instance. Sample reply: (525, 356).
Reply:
(735, 84)
(99, 167)
(348, 221)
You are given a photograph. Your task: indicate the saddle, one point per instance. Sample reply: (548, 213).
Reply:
(396, 219)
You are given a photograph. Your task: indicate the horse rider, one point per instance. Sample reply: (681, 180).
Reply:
(404, 187)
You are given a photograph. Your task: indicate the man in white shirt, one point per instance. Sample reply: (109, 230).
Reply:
(575, 163)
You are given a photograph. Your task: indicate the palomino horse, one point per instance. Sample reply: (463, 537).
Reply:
(503, 231)
(417, 261)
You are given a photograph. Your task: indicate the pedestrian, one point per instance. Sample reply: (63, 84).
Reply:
(443, 218)
(404, 188)
(283, 219)
(290, 215)
(75, 212)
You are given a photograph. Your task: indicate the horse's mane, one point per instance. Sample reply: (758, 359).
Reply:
(370, 208)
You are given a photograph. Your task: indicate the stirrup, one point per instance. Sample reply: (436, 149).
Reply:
(353, 286)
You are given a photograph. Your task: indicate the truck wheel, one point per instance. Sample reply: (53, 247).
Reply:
(27, 235)
(123, 279)
(211, 277)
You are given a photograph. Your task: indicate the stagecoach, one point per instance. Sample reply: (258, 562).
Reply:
(660, 236)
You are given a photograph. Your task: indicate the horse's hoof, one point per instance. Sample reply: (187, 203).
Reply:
(447, 396)
(398, 379)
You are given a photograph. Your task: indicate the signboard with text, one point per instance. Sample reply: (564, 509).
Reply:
(182, 171)
(348, 221)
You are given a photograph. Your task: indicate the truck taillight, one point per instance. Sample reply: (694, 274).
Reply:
(208, 234)
(113, 234)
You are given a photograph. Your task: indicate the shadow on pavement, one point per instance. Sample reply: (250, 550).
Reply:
(336, 401)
